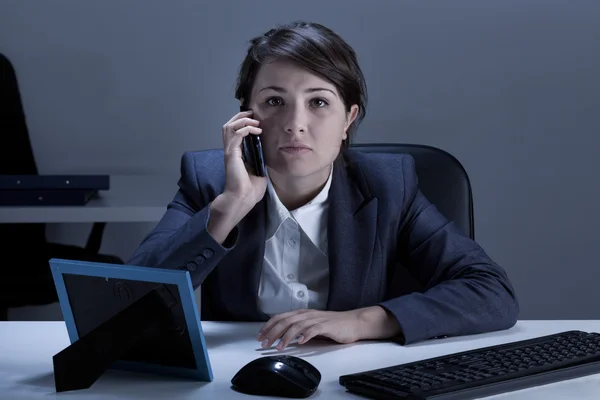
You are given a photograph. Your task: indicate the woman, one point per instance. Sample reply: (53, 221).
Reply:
(331, 243)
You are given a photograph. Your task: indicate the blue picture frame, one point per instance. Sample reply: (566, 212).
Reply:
(202, 372)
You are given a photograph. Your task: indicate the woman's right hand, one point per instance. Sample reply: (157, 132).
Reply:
(241, 186)
(242, 190)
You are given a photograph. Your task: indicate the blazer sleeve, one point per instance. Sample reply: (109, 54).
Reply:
(181, 240)
(466, 292)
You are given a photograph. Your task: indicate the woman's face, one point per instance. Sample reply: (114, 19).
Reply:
(302, 116)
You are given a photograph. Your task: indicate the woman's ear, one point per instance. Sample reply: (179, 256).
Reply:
(350, 117)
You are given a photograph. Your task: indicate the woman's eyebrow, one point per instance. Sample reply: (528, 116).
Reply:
(279, 89)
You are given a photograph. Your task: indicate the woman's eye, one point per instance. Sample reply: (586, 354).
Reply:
(274, 101)
(319, 103)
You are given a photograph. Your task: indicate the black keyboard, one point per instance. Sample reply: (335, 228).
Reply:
(485, 371)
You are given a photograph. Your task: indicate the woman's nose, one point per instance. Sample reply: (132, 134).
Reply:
(295, 120)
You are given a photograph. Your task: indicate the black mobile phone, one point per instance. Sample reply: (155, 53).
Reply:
(252, 152)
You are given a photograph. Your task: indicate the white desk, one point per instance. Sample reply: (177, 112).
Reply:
(131, 198)
(26, 350)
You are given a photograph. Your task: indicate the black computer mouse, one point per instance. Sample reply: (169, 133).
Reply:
(278, 375)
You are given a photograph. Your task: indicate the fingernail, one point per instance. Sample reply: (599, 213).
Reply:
(264, 343)
(300, 339)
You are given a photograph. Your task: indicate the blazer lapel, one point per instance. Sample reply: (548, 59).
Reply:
(352, 224)
(239, 275)
(351, 232)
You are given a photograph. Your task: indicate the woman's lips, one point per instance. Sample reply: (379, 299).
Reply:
(295, 149)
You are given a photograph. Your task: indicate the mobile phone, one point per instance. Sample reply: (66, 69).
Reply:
(252, 151)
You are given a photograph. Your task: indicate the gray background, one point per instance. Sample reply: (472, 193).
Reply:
(511, 88)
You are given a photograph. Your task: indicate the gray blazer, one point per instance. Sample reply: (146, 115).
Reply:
(388, 246)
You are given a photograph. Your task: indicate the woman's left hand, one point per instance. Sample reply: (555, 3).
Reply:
(340, 326)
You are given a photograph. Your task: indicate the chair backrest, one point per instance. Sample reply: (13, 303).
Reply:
(442, 179)
(16, 158)
(16, 155)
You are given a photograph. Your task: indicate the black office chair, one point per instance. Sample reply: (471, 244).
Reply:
(442, 179)
(25, 277)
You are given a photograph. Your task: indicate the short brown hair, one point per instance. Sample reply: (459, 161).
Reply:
(316, 48)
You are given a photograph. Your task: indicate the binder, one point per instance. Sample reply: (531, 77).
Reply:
(54, 182)
(34, 197)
